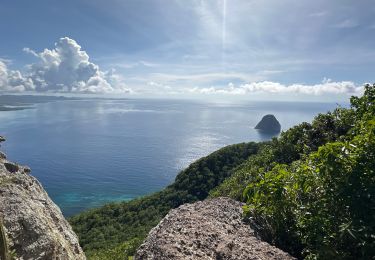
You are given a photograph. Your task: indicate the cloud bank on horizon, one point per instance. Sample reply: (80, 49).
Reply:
(240, 48)
(327, 86)
(67, 69)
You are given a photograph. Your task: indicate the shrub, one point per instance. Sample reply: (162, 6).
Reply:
(322, 206)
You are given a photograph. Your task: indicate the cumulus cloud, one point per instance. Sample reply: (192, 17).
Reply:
(12, 80)
(327, 86)
(65, 68)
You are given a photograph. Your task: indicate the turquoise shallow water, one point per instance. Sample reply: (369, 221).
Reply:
(89, 152)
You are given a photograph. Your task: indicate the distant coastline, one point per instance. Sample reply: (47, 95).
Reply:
(7, 108)
(22, 102)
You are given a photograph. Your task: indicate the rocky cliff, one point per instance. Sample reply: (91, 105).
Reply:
(33, 224)
(211, 229)
(269, 124)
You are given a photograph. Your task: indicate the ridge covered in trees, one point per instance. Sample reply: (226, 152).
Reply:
(115, 230)
(310, 191)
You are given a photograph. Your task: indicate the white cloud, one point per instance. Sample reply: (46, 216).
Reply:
(30, 51)
(6, 61)
(67, 68)
(326, 87)
(12, 80)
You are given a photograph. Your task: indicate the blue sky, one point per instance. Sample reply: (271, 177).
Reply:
(199, 48)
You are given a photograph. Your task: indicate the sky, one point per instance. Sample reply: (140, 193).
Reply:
(235, 49)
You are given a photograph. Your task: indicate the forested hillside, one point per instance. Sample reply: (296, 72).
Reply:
(115, 230)
(310, 191)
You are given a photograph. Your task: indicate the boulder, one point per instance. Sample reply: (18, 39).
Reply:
(211, 229)
(32, 225)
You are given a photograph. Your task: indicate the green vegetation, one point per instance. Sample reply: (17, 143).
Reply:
(122, 251)
(108, 229)
(321, 206)
(310, 191)
(292, 145)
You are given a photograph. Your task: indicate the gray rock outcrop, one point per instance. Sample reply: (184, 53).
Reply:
(34, 226)
(211, 229)
(269, 124)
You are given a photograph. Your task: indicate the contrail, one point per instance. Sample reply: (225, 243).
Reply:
(223, 36)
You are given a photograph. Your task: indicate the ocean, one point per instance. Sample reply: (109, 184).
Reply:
(93, 151)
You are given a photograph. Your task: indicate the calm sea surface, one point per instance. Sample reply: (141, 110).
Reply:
(89, 152)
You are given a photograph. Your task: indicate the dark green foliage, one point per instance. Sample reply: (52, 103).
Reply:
(208, 172)
(292, 145)
(341, 177)
(364, 106)
(310, 191)
(105, 229)
(122, 251)
(321, 206)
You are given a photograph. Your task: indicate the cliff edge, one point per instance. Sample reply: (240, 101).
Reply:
(210, 229)
(34, 226)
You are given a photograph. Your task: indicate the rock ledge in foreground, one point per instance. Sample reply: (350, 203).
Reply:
(34, 225)
(211, 229)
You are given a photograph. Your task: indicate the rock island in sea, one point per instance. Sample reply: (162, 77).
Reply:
(269, 124)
